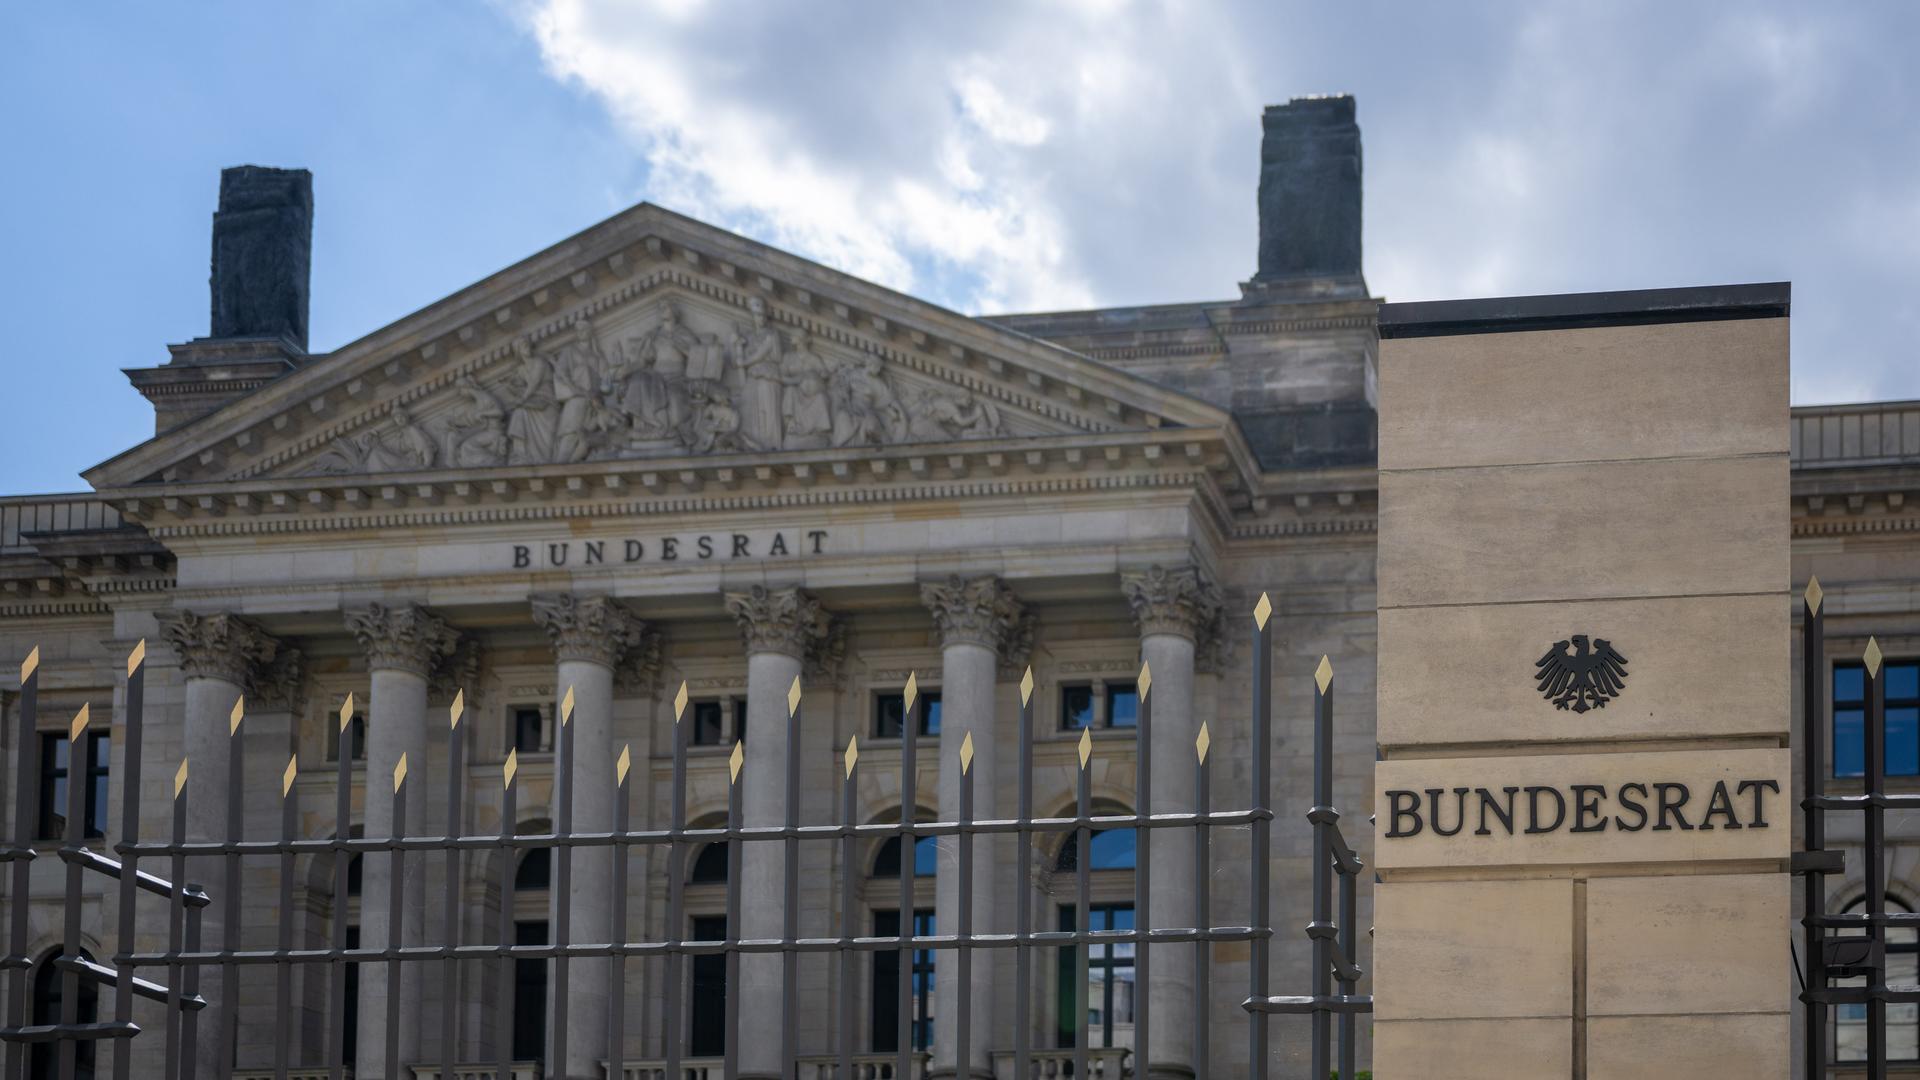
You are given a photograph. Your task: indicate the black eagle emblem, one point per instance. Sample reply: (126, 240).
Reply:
(1580, 675)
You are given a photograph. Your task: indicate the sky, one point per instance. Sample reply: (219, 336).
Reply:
(988, 156)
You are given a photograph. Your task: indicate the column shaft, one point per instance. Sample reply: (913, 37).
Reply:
(396, 725)
(762, 863)
(968, 672)
(209, 786)
(587, 895)
(1171, 986)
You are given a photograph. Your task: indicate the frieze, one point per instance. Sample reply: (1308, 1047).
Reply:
(689, 547)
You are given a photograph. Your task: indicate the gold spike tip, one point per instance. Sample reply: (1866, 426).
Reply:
(1202, 742)
(852, 756)
(1026, 686)
(399, 772)
(1086, 746)
(620, 767)
(1145, 682)
(566, 707)
(513, 766)
(1263, 611)
(137, 657)
(458, 710)
(735, 760)
(286, 778)
(30, 665)
(1872, 656)
(1814, 593)
(180, 779)
(80, 720)
(966, 753)
(239, 713)
(793, 696)
(1323, 675)
(346, 712)
(912, 691)
(680, 702)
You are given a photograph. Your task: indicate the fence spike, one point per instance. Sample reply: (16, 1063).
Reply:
(793, 696)
(1814, 593)
(30, 665)
(566, 707)
(1262, 611)
(912, 691)
(1026, 686)
(286, 780)
(852, 756)
(966, 753)
(238, 713)
(399, 773)
(1086, 746)
(180, 779)
(1323, 675)
(620, 767)
(513, 766)
(459, 708)
(1202, 741)
(346, 711)
(1872, 657)
(137, 657)
(80, 720)
(1145, 682)
(680, 702)
(734, 761)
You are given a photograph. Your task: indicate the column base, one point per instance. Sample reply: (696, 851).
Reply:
(983, 1071)
(1164, 1070)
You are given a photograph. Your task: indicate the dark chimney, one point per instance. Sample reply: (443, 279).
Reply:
(262, 249)
(1310, 198)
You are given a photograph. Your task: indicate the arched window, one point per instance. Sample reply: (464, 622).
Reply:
(49, 991)
(883, 895)
(1109, 992)
(710, 866)
(531, 880)
(1903, 1018)
(706, 988)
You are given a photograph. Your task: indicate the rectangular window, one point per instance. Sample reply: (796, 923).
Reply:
(1076, 707)
(527, 730)
(54, 768)
(885, 1011)
(890, 709)
(1123, 705)
(1902, 693)
(529, 994)
(1121, 699)
(356, 737)
(1108, 995)
(709, 718)
(707, 1027)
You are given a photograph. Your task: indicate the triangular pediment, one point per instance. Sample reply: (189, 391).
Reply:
(651, 335)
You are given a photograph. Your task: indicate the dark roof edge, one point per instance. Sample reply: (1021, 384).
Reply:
(1566, 311)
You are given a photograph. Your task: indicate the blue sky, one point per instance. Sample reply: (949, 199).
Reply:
(988, 156)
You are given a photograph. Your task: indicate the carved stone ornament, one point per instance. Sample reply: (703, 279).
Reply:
(591, 628)
(683, 385)
(403, 637)
(639, 672)
(1180, 601)
(458, 673)
(981, 611)
(787, 621)
(218, 646)
(282, 682)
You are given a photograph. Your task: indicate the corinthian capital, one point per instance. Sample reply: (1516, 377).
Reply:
(590, 628)
(788, 621)
(980, 611)
(219, 646)
(404, 637)
(1181, 602)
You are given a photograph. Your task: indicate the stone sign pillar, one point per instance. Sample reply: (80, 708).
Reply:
(1583, 799)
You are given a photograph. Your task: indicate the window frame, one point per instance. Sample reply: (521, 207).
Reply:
(98, 776)
(725, 704)
(512, 726)
(331, 739)
(1836, 705)
(1906, 947)
(926, 708)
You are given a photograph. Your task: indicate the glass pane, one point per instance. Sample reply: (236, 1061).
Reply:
(527, 731)
(1849, 749)
(706, 724)
(930, 715)
(1113, 849)
(1850, 1033)
(1849, 683)
(888, 712)
(1076, 706)
(1903, 741)
(1903, 681)
(1123, 706)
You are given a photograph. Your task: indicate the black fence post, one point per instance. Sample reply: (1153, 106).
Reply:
(1876, 883)
(1023, 909)
(79, 758)
(503, 973)
(617, 920)
(131, 737)
(25, 799)
(1143, 871)
(1813, 668)
(342, 859)
(449, 968)
(1261, 750)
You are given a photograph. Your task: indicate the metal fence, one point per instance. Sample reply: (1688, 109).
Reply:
(187, 961)
(1859, 951)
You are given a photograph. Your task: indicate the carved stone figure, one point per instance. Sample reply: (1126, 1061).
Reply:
(531, 423)
(654, 398)
(760, 350)
(577, 368)
(404, 446)
(805, 411)
(715, 423)
(939, 416)
(865, 410)
(476, 432)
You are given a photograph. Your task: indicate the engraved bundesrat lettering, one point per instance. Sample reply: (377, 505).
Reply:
(690, 547)
(1578, 808)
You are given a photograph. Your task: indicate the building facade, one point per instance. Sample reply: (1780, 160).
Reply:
(659, 454)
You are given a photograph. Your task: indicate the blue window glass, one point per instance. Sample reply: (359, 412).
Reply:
(1123, 705)
(1113, 849)
(1902, 693)
(926, 857)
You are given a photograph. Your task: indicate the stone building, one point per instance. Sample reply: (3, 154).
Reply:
(660, 453)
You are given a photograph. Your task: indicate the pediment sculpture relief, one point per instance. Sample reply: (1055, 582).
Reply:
(677, 387)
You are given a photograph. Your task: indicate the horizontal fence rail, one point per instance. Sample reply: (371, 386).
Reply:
(175, 975)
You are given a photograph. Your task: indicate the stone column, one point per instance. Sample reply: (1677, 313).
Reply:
(778, 628)
(1174, 610)
(220, 657)
(403, 644)
(591, 636)
(980, 622)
